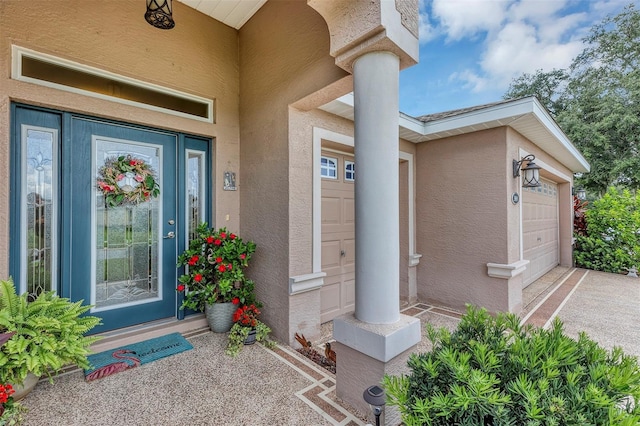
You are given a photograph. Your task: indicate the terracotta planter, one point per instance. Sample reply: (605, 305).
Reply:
(21, 390)
(220, 316)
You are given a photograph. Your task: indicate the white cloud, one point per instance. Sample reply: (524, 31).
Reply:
(520, 36)
(467, 18)
(426, 31)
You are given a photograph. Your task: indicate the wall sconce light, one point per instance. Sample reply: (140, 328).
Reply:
(376, 398)
(159, 14)
(581, 193)
(531, 173)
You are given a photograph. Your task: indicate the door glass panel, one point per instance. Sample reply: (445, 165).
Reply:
(127, 236)
(195, 191)
(39, 210)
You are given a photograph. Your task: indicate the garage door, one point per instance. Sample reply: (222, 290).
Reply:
(338, 235)
(540, 230)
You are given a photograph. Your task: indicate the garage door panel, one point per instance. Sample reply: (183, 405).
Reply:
(349, 247)
(540, 230)
(338, 243)
(330, 211)
(330, 301)
(331, 255)
(349, 288)
(349, 210)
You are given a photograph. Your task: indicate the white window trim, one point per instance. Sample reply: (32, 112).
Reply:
(16, 73)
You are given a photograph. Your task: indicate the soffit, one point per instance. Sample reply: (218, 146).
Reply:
(234, 13)
(527, 116)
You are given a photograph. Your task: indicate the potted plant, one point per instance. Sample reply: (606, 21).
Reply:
(10, 410)
(214, 280)
(247, 329)
(46, 335)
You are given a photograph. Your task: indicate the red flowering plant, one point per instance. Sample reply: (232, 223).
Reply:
(246, 322)
(10, 411)
(214, 269)
(246, 315)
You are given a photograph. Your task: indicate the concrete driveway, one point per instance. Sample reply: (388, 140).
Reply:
(607, 307)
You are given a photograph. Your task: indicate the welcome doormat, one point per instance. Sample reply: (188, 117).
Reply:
(130, 356)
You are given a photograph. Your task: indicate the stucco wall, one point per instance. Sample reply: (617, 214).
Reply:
(284, 56)
(198, 56)
(461, 216)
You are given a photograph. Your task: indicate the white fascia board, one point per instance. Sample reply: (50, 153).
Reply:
(412, 124)
(502, 112)
(550, 124)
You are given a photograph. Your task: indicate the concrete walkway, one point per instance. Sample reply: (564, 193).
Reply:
(205, 387)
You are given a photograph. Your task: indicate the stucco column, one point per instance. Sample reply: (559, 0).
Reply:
(376, 339)
(375, 92)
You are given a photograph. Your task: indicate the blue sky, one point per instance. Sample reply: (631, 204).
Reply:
(470, 50)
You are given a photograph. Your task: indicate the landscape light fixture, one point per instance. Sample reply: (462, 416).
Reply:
(376, 398)
(159, 14)
(531, 173)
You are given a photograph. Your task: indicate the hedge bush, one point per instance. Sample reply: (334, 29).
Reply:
(493, 371)
(612, 243)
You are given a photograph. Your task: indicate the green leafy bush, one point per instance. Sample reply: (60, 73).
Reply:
(47, 334)
(493, 371)
(612, 243)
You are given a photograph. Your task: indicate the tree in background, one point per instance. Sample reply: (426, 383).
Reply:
(597, 101)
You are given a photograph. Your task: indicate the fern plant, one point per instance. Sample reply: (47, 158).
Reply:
(493, 371)
(49, 333)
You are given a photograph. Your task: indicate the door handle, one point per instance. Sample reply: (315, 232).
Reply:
(171, 234)
(342, 253)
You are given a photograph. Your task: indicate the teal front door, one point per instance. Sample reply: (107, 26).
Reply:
(122, 254)
(90, 224)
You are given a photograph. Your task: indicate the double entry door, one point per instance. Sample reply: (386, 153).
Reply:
(100, 211)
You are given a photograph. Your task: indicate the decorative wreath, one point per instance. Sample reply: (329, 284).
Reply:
(127, 180)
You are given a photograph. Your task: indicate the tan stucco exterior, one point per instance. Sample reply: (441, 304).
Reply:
(283, 58)
(199, 56)
(267, 80)
(465, 218)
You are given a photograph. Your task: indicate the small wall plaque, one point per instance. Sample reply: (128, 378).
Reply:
(229, 181)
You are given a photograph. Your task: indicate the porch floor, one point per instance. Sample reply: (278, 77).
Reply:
(281, 387)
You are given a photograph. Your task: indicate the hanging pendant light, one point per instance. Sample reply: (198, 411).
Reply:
(159, 14)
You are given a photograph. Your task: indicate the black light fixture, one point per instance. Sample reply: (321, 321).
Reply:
(376, 398)
(159, 14)
(581, 193)
(531, 173)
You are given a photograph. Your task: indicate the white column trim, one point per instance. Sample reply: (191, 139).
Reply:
(506, 271)
(306, 282)
(414, 258)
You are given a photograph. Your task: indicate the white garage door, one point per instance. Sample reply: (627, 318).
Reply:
(337, 296)
(540, 230)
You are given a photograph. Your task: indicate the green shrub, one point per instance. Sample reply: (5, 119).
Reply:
(612, 243)
(493, 371)
(48, 334)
